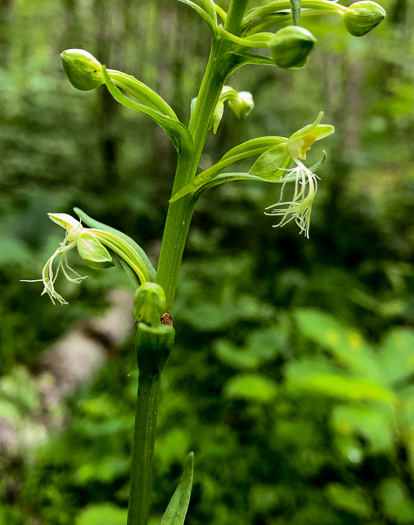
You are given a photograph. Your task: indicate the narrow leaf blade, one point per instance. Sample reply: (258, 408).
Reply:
(178, 505)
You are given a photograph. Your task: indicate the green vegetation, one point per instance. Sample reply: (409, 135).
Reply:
(291, 378)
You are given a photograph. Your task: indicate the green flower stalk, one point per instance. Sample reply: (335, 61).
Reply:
(90, 243)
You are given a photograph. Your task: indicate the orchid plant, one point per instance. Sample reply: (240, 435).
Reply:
(239, 37)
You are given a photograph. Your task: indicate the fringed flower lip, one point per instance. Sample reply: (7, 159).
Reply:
(299, 207)
(90, 243)
(276, 165)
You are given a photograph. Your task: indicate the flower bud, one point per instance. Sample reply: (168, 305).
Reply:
(82, 69)
(242, 105)
(290, 46)
(149, 304)
(361, 17)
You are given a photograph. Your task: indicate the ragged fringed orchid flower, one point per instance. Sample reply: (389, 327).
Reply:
(92, 244)
(276, 164)
(280, 161)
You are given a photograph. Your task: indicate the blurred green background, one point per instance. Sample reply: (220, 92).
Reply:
(292, 377)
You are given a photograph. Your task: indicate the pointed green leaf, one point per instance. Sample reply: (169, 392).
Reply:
(176, 131)
(296, 7)
(207, 12)
(99, 225)
(178, 505)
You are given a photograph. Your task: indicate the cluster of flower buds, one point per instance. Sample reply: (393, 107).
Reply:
(291, 45)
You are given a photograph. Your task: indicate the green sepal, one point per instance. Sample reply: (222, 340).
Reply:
(153, 347)
(99, 225)
(272, 163)
(93, 253)
(320, 131)
(207, 12)
(176, 131)
(296, 7)
(178, 505)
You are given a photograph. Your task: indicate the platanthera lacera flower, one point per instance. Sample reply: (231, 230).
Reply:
(90, 243)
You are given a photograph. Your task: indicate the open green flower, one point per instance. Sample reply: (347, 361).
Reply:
(90, 243)
(279, 161)
(276, 164)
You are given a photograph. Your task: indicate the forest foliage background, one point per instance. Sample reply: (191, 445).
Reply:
(292, 377)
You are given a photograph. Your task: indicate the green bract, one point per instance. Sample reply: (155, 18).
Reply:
(82, 69)
(290, 46)
(361, 17)
(149, 304)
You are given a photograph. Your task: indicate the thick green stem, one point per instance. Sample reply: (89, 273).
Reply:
(173, 243)
(143, 447)
(235, 16)
(180, 212)
(153, 345)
